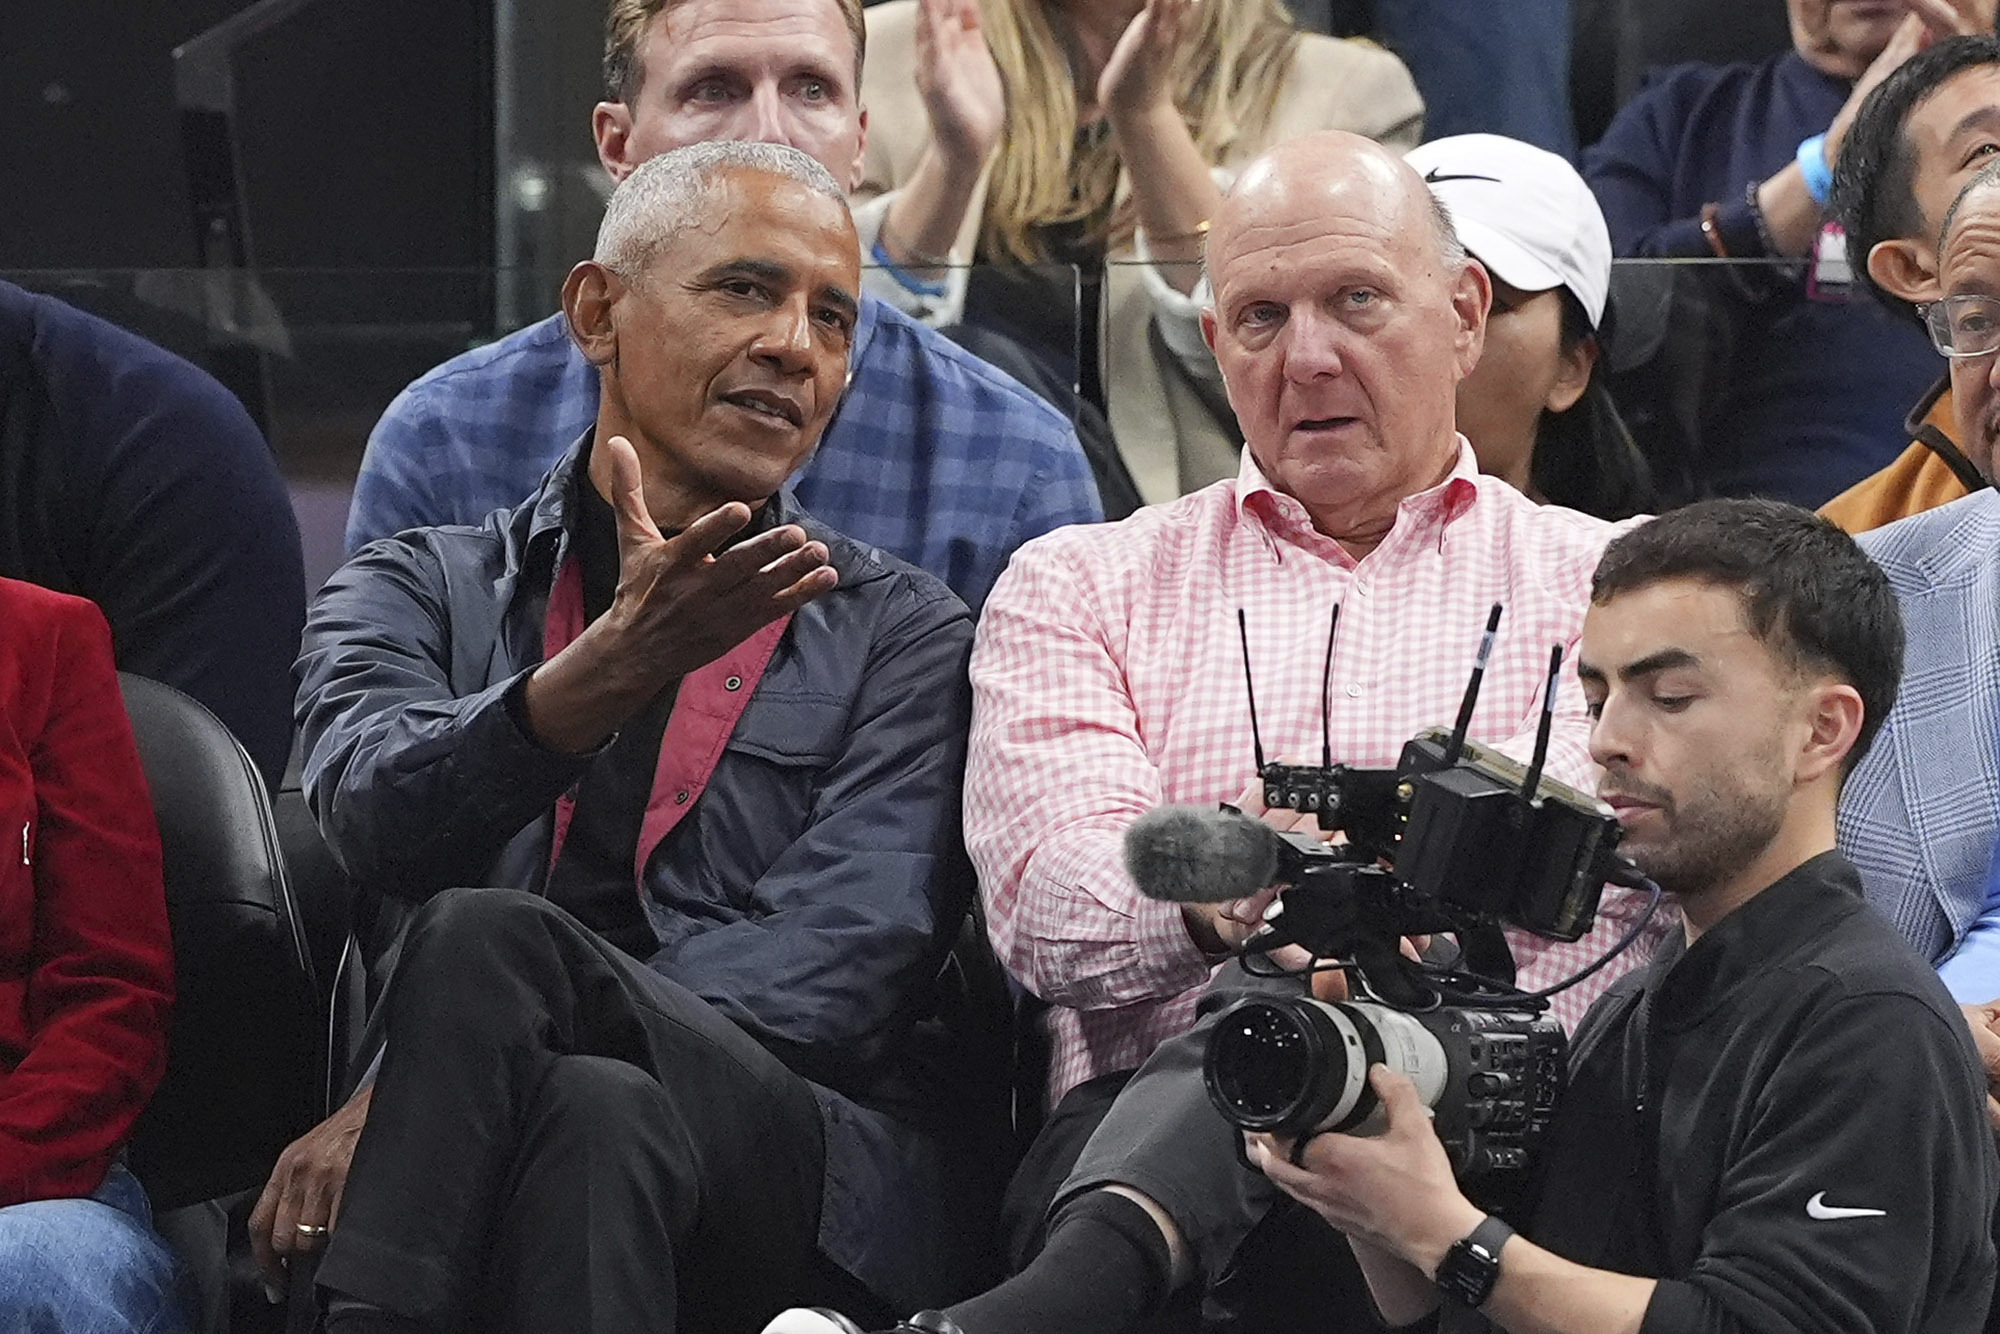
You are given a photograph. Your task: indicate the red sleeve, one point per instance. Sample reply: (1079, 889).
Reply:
(98, 969)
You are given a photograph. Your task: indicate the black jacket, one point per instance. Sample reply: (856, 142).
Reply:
(813, 886)
(1786, 1124)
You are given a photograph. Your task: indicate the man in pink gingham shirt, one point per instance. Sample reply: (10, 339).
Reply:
(1108, 680)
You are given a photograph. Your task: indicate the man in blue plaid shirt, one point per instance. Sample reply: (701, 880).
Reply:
(934, 456)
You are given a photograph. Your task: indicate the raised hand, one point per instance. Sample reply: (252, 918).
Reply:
(1912, 35)
(682, 602)
(1955, 18)
(1139, 75)
(958, 81)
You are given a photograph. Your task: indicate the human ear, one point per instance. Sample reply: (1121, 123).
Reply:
(588, 295)
(1573, 370)
(1834, 714)
(1904, 269)
(611, 126)
(855, 168)
(1471, 298)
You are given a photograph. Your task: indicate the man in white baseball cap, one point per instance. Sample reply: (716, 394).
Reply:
(1535, 408)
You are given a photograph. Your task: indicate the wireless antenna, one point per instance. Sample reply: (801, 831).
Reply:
(1326, 695)
(1534, 779)
(1456, 747)
(1250, 688)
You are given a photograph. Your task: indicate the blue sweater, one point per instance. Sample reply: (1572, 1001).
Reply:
(1816, 391)
(132, 478)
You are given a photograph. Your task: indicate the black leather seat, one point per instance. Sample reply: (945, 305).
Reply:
(246, 1054)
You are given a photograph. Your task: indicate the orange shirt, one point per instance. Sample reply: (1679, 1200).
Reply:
(1930, 473)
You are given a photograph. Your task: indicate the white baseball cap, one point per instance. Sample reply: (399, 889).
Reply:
(1524, 213)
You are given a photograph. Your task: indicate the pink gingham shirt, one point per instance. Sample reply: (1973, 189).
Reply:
(1108, 679)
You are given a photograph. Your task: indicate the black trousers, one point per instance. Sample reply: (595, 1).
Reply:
(562, 1139)
(1264, 1261)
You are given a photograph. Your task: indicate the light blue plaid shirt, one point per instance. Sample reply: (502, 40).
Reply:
(934, 455)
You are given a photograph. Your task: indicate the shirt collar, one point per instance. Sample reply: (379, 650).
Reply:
(1797, 909)
(1432, 508)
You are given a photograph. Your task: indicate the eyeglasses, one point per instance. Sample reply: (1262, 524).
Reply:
(1964, 326)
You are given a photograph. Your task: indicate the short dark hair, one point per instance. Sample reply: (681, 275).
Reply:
(1808, 592)
(1873, 180)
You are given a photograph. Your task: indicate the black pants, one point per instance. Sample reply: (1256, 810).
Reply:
(561, 1138)
(1264, 1262)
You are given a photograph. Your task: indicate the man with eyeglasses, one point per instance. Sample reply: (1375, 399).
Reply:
(1921, 815)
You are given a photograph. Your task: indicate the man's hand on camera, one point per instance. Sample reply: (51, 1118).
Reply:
(1394, 1191)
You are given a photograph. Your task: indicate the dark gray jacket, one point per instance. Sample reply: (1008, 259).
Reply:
(809, 894)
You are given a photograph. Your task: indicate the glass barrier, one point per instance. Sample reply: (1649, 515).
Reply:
(1730, 376)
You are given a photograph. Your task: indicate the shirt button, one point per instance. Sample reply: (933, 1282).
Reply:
(1354, 692)
(733, 683)
(681, 798)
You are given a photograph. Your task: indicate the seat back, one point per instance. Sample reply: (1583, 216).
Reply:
(245, 1053)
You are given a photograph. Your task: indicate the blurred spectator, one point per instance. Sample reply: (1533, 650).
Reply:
(1921, 814)
(89, 982)
(935, 456)
(1618, 43)
(1808, 390)
(1920, 136)
(1535, 409)
(1487, 68)
(131, 478)
(1116, 130)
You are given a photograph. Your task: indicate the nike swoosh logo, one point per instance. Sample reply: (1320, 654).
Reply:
(1817, 1207)
(1432, 177)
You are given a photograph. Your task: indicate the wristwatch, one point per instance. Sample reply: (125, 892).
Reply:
(1472, 1266)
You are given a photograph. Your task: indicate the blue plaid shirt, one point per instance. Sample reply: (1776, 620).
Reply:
(934, 455)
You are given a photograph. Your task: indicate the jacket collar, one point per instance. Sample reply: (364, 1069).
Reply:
(1931, 423)
(1687, 982)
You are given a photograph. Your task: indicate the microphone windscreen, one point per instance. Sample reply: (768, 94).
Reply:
(1196, 854)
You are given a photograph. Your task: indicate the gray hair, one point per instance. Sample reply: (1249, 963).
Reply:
(1451, 250)
(669, 193)
(1987, 177)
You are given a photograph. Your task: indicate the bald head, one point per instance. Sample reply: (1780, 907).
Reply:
(1346, 171)
(1345, 315)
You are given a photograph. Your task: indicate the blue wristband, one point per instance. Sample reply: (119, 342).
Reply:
(909, 280)
(1819, 176)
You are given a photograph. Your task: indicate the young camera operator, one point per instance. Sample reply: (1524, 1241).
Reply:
(1778, 1125)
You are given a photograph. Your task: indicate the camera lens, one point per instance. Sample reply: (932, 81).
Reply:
(1288, 1065)
(1262, 1062)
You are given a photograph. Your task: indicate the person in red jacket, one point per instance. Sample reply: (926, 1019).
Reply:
(86, 981)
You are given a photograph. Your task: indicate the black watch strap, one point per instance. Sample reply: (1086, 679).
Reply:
(1472, 1266)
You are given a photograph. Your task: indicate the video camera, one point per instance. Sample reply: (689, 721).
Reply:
(1457, 840)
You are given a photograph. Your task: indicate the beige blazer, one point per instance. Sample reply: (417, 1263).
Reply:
(1168, 439)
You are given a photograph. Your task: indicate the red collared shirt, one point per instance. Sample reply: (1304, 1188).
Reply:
(1108, 679)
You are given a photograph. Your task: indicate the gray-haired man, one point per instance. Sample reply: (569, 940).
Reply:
(712, 751)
